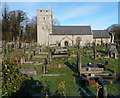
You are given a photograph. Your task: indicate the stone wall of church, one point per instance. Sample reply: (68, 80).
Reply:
(105, 40)
(71, 39)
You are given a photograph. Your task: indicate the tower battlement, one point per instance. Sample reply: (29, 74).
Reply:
(44, 12)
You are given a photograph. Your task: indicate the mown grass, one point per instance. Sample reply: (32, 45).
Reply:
(70, 85)
(70, 82)
(113, 89)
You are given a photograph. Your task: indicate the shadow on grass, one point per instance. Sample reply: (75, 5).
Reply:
(28, 89)
(72, 66)
(103, 52)
(81, 82)
(83, 90)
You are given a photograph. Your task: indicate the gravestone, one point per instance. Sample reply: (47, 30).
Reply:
(106, 45)
(113, 51)
(30, 57)
(22, 60)
(29, 54)
(109, 54)
(39, 50)
(49, 55)
(44, 66)
(106, 62)
(79, 63)
(34, 53)
(42, 48)
(24, 50)
(4, 47)
(7, 48)
(28, 71)
(102, 93)
(5, 51)
(115, 55)
(94, 50)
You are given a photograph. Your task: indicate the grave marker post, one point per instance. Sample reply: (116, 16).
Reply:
(29, 55)
(105, 91)
(49, 55)
(44, 66)
(22, 60)
(94, 50)
(39, 50)
(79, 63)
(34, 53)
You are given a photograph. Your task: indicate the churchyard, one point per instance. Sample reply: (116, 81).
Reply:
(67, 71)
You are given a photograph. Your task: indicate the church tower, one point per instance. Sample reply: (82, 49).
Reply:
(44, 26)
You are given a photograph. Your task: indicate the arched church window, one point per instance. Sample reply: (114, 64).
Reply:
(43, 18)
(78, 41)
(42, 28)
(66, 43)
(59, 44)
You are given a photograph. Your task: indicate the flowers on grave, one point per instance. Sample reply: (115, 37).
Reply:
(61, 89)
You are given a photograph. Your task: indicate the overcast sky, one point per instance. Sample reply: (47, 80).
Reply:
(99, 15)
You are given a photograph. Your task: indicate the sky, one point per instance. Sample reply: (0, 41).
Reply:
(99, 15)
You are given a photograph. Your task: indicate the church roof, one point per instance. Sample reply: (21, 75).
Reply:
(101, 34)
(71, 30)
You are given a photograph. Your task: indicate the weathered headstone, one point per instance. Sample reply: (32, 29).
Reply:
(39, 50)
(29, 55)
(94, 50)
(115, 55)
(102, 92)
(106, 45)
(105, 93)
(42, 48)
(5, 51)
(34, 53)
(79, 63)
(22, 60)
(113, 51)
(28, 71)
(106, 62)
(49, 55)
(24, 50)
(102, 42)
(44, 66)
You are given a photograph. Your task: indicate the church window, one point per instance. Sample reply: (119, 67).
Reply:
(66, 43)
(59, 44)
(43, 18)
(42, 28)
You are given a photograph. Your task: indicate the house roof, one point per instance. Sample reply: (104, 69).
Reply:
(71, 30)
(101, 34)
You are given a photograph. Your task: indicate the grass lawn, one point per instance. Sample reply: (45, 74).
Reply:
(70, 81)
(70, 85)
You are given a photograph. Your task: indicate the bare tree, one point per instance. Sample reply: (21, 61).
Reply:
(55, 22)
(115, 28)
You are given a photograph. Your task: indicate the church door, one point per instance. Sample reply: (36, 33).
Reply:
(66, 43)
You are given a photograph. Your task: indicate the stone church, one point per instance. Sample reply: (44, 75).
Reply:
(47, 34)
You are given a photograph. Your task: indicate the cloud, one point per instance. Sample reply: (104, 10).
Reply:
(78, 11)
